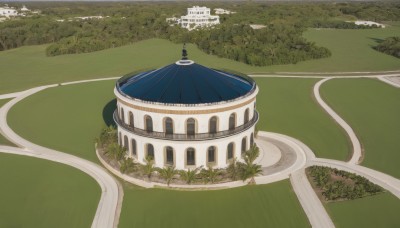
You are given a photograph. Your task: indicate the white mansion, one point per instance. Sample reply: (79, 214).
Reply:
(197, 17)
(186, 115)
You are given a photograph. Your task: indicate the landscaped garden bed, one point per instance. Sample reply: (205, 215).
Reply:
(117, 157)
(335, 185)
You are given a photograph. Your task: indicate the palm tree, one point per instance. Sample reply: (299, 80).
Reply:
(168, 173)
(210, 175)
(128, 166)
(148, 168)
(233, 170)
(250, 171)
(188, 176)
(115, 151)
(252, 154)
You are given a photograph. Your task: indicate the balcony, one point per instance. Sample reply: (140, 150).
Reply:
(186, 137)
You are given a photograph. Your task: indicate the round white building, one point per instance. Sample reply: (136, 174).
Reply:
(186, 115)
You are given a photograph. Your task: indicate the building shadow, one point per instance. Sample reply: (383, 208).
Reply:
(108, 111)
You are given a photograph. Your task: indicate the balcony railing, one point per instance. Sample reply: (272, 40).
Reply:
(186, 137)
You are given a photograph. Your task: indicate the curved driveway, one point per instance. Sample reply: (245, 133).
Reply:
(107, 212)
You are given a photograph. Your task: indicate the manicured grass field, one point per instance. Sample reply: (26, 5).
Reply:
(3, 140)
(25, 67)
(272, 205)
(372, 108)
(40, 193)
(68, 118)
(374, 211)
(286, 106)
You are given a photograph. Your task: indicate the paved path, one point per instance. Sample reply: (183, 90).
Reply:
(394, 81)
(106, 215)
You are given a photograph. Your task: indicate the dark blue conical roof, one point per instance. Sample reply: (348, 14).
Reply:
(185, 82)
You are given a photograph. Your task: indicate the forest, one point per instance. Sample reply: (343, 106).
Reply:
(280, 42)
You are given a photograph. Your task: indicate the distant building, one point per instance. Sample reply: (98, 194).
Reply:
(6, 11)
(24, 9)
(257, 26)
(223, 11)
(369, 23)
(197, 17)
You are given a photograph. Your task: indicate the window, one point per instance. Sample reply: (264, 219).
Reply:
(244, 145)
(246, 116)
(131, 123)
(190, 127)
(230, 151)
(150, 151)
(126, 142)
(169, 154)
(232, 121)
(149, 124)
(213, 125)
(122, 115)
(133, 149)
(169, 126)
(211, 154)
(251, 139)
(190, 156)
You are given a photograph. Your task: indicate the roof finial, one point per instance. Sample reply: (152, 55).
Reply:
(184, 52)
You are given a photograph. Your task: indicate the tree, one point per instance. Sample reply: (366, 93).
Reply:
(210, 175)
(128, 166)
(168, 173)
(148, 168)
(252, 154)
(115, 151)
(189, 176)
(250, 171)
(233, 170)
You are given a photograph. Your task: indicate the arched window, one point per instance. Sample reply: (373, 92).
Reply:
(133, 147)
(230, 151)
(131, 123)
(190, 127)
(126, 142)
(213, 128)
(150, 151)
(149, 123)
(232, 121)
(211, 154)
(190, 156)
(169, 155)
(244, 145)
(246, 116)
(251, 140)
(122, 115)
(169, 126)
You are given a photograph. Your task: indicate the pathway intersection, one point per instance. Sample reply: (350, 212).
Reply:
(296, 156)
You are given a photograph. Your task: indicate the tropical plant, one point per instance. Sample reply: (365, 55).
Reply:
(128, 165)
(252, 154)
(148, 168)
(168, 173)
(250, 171)
(210, 175)
(189, 176)
(233, 170)
(107, 136)
(115, 151)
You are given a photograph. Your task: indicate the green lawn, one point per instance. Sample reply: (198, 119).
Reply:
(3, 140)
(40, 193)
(68, 118)
(286, 105)
(25, 67)
(372, 108)
(272, 205)
(374, 211)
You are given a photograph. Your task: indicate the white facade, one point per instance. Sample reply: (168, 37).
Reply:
(238, 131)
(197, 17)
(8, 12)
(369, 23)
(223, 11)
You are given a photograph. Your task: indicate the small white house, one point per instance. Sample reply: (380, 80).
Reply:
(6, 11)
(25, 9)
(369, 23)
(223, 11)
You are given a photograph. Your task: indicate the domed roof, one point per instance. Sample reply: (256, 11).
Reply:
(185, 82)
